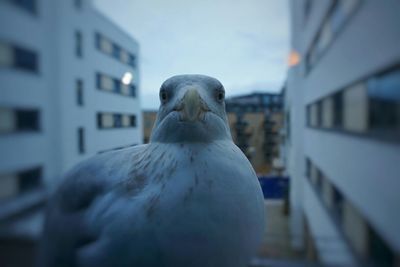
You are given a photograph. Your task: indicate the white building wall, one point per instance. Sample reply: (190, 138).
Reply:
(50, 32)
(364, 169)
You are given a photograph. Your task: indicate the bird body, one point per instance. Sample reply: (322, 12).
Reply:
(182, 200)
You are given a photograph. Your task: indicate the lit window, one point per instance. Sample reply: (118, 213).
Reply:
(341, 12)
(327, 112)
(124, 56)
(126, 121)
(8, 186)
(327, 193)
(13, 184)
(355, 228)
(106, 83)
(6, 55)
(324, 39)
(313, 115)
(107, 120)
(125, 89)
(355, 108)
(7, 120)
(105, 45)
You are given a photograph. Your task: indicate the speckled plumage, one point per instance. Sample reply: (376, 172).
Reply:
(189, 198)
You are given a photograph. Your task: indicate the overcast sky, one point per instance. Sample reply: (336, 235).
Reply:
(243, 43)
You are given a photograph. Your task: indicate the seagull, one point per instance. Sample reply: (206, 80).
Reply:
(188, 198)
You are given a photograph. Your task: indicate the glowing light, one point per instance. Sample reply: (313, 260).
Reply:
(127, 78)
(294, 59)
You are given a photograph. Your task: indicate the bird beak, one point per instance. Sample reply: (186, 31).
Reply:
(192, 106)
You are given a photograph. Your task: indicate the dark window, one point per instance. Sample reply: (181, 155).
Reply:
(97, 38)
(132, 120)
(384, 101)
(79, 92)
(117, 120)
(307, 9)
(99, 121)
(308, 168)
(132, 61)
(338, 110)
(78, 44)
(318, 184)
(29, 5)
(29, 179)
(81, 140)
(116, 51)
(117, 86)
(133, 90)
(319, 114)
(25, 59)
(337, 204)
(78, 4)
(98, 80)
(27, 120)
(380, 253)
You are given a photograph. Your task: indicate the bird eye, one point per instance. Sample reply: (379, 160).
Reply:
(163, 96)
(220, 96)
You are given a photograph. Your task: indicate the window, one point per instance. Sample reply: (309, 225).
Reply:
(356, 229)
(7, 120)
(384, 101)
(109, 84)
(116, 50)
(13, 184)
(6, 55)
(18, 57)
(25, 59)
(30, 179)
(79, 92)
(110, 48)
(338, 109)
(132, 61)
(132, 120)
(341, 11)
(19, 120)
(81, 140)
(327, 112)
(313, 115)
(28, 5)
(107, 120)
(355, 108)
(334, 21)
(78, 44)
(78, 4)
(27, 120)
(307, 8)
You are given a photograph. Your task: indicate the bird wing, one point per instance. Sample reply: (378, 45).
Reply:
(65, 229)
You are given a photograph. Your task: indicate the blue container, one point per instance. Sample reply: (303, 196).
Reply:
(274, 187)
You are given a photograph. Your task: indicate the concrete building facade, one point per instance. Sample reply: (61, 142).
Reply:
(342, 106)
(70, 89)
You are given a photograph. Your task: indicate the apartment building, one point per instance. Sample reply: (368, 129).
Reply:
(69, 89)
(342, 105)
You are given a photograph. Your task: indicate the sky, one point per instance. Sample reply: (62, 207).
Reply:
(242, 43)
